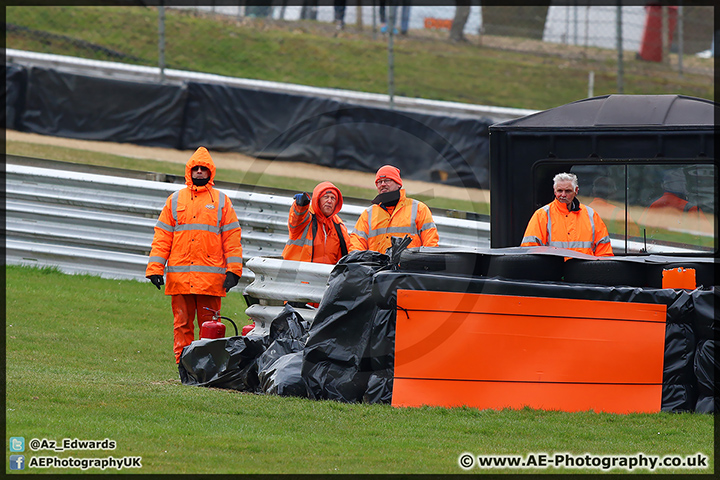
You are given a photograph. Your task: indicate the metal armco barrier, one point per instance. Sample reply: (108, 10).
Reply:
(86, 222)
(278, 280)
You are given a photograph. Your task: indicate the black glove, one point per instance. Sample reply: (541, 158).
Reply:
(157, 280)
(302, 199)
(230, 281)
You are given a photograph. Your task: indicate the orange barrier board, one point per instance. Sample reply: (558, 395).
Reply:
(499, 351)
(679, 278)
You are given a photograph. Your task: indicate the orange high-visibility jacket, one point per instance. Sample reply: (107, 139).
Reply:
(197, 237)
(313, 236)
(582, 230)
(376, 226)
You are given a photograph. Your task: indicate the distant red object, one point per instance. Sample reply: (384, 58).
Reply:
(437, 23)
(651, 46)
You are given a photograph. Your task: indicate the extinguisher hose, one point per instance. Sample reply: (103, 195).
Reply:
(230, 320)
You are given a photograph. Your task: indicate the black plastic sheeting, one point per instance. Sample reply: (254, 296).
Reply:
(15, 82)
(279, 366)
(249, 363)
(264, 124)
(335, 363)
(289, 127)
(229, 362)
(278, 125)
(705, 366)
(348, 353)
(92, 108)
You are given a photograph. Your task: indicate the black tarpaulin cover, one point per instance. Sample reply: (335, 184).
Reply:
(15, 81)
(290, 127)
(706, 364)
(334, 363)
(262, 123)
(93, 108)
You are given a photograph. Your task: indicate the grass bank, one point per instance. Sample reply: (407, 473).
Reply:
(540, 76)
(91, 358)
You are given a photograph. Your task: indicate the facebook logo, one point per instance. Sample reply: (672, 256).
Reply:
(17, 444)
(17, 462)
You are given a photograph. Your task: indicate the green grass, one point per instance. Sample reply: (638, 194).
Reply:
(426, 65)
(91, 358)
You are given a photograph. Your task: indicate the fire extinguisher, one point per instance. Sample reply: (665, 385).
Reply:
(215, 328)
(247, 328)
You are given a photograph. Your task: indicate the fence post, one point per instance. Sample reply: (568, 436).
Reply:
(391, 60)
(665, 35)
(619, 47)
(161, 41)
(681, 45)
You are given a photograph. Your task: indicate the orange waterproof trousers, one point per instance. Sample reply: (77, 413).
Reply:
(185, 308)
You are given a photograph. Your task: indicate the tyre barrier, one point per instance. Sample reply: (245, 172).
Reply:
(509, 266)
(604, 272)
(526, 267)
(450, 263)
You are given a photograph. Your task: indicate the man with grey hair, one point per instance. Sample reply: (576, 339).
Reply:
(566, 223)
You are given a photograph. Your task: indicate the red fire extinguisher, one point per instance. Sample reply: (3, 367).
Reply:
(215, 328)
(247, 329)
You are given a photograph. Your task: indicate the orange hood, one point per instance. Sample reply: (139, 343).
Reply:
(318, 192)
(200, 157)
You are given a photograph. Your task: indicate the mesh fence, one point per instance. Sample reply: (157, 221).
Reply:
(587, 26)
(678, 39)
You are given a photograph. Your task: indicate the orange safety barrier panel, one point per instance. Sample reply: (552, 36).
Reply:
(500, 351)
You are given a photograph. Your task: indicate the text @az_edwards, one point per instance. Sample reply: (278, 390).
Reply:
(37, 444)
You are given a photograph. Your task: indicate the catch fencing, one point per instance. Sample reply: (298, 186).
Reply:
(85, 219)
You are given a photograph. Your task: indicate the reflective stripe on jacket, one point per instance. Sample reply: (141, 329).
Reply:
(321, 243)
(582, 230)
(197, 237)
(376, 226)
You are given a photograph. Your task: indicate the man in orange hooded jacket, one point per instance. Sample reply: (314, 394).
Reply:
(317, 234)
(197, 246)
